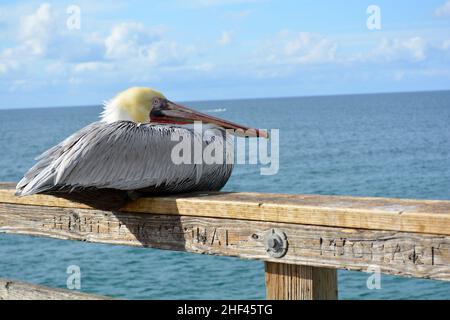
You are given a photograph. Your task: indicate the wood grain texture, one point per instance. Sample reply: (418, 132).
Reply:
(397, 253)
(15, 290)
(297, 282)
(420, 216)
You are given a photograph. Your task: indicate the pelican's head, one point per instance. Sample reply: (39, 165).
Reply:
(133, 104)
(145, 105)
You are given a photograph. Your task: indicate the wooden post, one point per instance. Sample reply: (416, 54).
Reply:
(297, 282)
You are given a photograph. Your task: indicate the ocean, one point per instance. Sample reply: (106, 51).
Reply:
(382, 145)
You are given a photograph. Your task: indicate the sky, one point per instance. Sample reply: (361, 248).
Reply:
(66, 53)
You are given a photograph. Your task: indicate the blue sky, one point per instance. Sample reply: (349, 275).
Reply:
(217, 49)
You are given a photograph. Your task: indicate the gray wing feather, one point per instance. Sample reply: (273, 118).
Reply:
(120, 155)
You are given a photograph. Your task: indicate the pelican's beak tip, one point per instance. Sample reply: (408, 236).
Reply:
(263, 134)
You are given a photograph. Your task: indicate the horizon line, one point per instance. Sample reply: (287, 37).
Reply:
(237, 99)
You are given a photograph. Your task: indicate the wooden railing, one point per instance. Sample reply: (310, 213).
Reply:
(303, 239)
(16, 290)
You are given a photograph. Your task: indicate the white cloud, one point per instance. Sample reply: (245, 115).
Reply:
(427, 72)
(288, 52)
(413, 49)
(37, 46)
(128, 39)
(43, 34)
(8, 61)
(134, 41)
(225, 38)
(41, 47)
(443, 10)
(19, 84)
(300, 48)
(56, 68)
(36, 30)
(165, 53)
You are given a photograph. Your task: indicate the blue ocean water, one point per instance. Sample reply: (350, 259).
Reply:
(390, 145)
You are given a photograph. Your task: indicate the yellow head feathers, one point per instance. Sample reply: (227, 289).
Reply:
(133, 104)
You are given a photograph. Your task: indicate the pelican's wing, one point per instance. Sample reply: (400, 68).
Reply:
(41, 175)
(121, 155)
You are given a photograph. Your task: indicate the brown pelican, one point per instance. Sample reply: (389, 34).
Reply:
(128, 154)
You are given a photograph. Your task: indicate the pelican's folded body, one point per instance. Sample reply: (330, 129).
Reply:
(129, 153)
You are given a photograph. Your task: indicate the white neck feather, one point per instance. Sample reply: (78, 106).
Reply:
(113, 112)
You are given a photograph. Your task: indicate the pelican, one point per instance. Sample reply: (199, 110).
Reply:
(127, 154)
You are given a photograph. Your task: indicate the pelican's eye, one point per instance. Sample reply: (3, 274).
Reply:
(156, 103)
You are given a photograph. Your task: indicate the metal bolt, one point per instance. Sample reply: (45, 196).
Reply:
(276, 243)
(273, 243)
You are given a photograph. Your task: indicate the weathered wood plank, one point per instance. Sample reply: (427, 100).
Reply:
(424, 216)
(297, 282)
(15, 290)
(397, 253)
